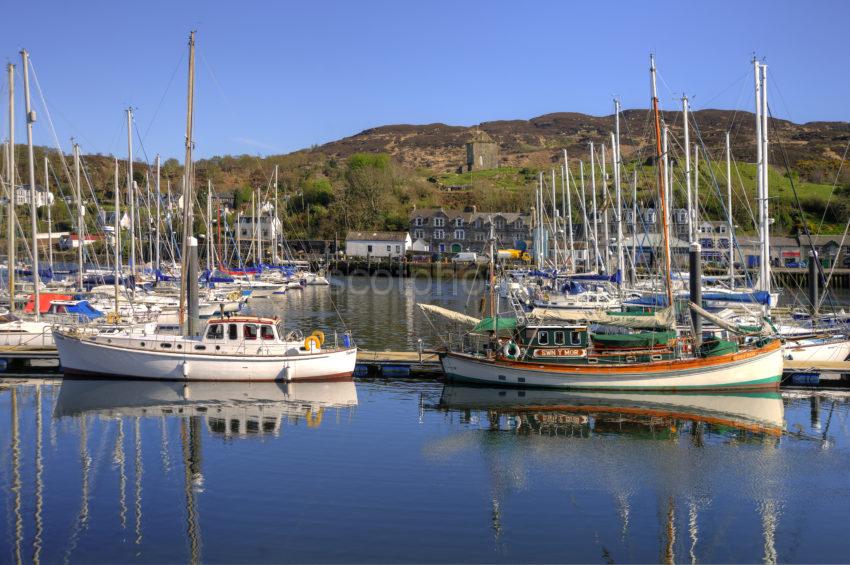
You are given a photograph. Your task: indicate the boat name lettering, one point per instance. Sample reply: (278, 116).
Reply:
(559, 352)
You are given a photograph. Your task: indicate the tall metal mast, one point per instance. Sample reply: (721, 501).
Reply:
(10, 210)
(635, 223)
(565, 185)
(187, 192)
(759, 173)
(729, 212)
(605, 200)
(36, 278)
(765, 231)
(158, 213)
(131, 191)
(273, 227)
(116, 239)
(593, 208)
(81, 235)
(209, 226)
(690, 197)
(49, 218)
(661, 183)
(584, 215)
(555, 221)
(618, 163)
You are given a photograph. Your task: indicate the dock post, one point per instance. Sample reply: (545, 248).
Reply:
(696, 291)
(813, 283)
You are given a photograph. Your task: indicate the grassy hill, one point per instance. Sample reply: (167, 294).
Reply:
(373, 179)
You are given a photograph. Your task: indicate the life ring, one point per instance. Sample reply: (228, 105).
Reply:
(511, 350)
(319, 334)
(311, 343)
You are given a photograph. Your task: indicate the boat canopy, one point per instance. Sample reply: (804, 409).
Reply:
(502, 324)
(83, 310)
(44, 300)
(640, 339)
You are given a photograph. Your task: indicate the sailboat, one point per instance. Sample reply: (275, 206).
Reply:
(540, 353)
(228, 349)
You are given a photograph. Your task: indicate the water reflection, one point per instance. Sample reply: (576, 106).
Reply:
(229, 409)
(645, 414)
(750, 418)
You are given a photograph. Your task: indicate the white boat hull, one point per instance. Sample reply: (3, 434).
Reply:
(814, 350)
(739, 371)
(83, 357)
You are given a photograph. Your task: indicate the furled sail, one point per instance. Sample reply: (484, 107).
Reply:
(449, 314)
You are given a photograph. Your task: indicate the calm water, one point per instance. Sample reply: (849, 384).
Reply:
(382, 313)
(413, 472)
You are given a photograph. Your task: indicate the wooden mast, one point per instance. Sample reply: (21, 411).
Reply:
(662, 191)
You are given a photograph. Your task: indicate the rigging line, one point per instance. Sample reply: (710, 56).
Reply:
(52, 128)
(840, 167)
(165, 93)
(806, 232)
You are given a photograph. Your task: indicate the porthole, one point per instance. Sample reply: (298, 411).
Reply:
(143, 344)
(179, 346)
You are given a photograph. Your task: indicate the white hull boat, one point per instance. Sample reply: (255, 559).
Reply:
(232, 349)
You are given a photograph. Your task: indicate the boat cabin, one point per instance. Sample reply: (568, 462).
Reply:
(553, 342)
(243, 328)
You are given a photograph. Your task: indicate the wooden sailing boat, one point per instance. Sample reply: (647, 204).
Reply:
(529, 353)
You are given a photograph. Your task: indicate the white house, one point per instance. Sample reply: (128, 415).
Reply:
(377, 244)
(420, 246)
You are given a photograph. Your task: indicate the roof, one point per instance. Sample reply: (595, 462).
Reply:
(655, 240)
(469, 217)
(377, 236)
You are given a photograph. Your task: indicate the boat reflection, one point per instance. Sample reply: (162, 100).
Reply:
(585, 412)
(231, 409)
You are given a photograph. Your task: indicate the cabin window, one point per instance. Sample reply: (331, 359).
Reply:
(558, 338)
(215, 331)
(266, 332)
(368, 249)
(543, 338)
(575, 338)
(249, 331)
(232, 331)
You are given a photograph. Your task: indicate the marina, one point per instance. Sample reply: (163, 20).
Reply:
(258, 305)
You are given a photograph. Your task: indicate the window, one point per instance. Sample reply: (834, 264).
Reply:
(368, 249)
(575, 338)
(460, 234)
(249, 331)
(480, 237)
(417, 221)
(459, 222)
(543, 338)
(438, 234)
(215, 331)
(266, 332)
(232, 331)
(478, 223)
(558, 339)
(389, 248)
(398, 248)
(244, 233)
(418, 234)
(439, 222)
(499, 223)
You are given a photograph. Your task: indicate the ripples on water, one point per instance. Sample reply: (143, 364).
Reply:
(410, 471)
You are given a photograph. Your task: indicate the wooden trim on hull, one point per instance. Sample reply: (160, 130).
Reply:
(78, 374)
(651, 367)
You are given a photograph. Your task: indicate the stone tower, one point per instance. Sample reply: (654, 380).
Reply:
(481, 152)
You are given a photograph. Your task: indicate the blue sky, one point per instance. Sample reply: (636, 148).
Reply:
(273, 77)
